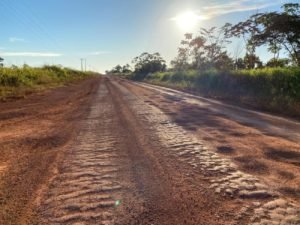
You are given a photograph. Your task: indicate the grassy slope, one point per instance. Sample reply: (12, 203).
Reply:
(272, 89)
(17, 82)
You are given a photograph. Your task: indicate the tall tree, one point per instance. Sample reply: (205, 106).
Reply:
(126, 69)
(206, 50)
(282, 29)
(275, 29)
(277, 62)
(246, 30)
(181, 62)
(117, 69)
(252, 61)
(148, 63)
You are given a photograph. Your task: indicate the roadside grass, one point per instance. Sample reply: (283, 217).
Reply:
(272, 89)
(16, 82)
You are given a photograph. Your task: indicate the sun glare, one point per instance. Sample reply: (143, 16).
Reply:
(187, 21)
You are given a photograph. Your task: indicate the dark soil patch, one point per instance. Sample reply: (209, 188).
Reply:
(250, 164)
(284, 156)
(225, 149)
(292, 192)
(286, 175)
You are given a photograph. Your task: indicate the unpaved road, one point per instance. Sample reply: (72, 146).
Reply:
(127, 153)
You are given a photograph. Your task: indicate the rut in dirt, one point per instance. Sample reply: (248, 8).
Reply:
(87, 186)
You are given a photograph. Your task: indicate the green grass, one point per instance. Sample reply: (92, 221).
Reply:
(274, 89)
(16, 81)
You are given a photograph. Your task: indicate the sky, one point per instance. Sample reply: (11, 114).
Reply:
(111, 32)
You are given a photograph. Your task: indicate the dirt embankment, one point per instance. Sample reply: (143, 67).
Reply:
(33, 133)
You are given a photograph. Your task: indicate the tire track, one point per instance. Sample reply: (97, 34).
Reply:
(88, 187)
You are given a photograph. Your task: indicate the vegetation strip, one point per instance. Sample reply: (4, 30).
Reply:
(17, 82)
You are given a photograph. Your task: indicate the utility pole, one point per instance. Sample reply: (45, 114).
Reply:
(81, 60)
(83, 66)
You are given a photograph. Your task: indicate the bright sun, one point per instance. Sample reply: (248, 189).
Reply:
(187, 21)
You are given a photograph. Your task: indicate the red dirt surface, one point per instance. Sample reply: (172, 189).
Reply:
(109, 151)
(33, 133)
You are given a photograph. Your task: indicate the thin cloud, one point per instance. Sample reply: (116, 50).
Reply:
(99, 53)
(237, 6)
(15, 39)
(30, 54)
(193, 14)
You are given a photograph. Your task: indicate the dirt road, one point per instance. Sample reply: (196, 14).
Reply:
(139, 154)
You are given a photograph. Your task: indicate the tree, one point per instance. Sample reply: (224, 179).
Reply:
(278, 30)
(238, 61)
(239, 64)
(277, 62)
(181, 62)
(281, 29)
(224, 62)
(209, 48)
(252, 61)
(206, 50)
(148, 63)
(126, 69)
(246, 30)
(274, 47)
(116, 69)
(198, 52)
